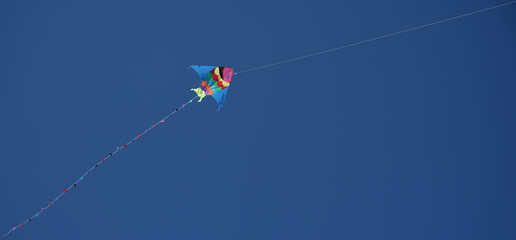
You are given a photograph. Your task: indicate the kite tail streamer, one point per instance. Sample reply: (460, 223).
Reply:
(97, 165)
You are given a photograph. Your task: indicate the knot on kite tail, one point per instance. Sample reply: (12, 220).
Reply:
(200, 93)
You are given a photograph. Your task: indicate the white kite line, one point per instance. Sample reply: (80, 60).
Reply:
(375, 38)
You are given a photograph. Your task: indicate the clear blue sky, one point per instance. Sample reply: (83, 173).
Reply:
(410, 137)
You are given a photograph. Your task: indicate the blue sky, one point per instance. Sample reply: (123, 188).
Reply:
(409, 137)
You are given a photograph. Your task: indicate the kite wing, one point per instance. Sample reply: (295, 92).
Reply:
(215, 82)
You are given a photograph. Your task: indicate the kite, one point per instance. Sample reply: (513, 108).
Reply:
(216, 82)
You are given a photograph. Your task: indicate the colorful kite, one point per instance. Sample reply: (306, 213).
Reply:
(216, 81)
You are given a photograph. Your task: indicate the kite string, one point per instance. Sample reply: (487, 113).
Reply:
(98, 164)
(376, 38)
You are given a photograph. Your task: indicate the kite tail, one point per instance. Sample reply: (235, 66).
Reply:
(200, 93)
(97, 165)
